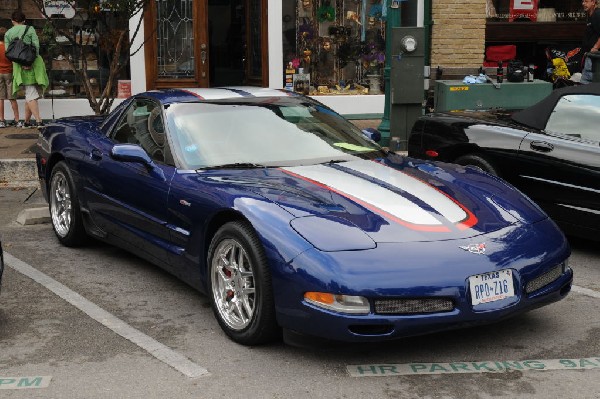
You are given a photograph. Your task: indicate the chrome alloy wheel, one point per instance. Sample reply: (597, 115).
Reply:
(233, 287)
(60, 204)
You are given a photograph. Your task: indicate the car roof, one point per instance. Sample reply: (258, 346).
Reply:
(538, 114)
(169, 96)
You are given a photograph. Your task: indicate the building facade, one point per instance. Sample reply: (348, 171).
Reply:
(330, 49)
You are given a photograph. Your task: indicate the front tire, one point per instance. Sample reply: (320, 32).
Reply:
(65, 213)
(240, 285)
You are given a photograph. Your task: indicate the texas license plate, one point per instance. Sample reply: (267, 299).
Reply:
(492, 286)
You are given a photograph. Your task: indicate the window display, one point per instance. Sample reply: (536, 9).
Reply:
(72, 35)
(334, 47)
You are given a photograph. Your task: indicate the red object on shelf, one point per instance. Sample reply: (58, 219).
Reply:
(503, 53)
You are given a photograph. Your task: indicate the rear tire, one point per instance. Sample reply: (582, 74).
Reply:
(478, 161)
(240, 287)
(65, 213)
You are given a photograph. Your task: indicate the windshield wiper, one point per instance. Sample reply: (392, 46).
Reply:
(236, 165)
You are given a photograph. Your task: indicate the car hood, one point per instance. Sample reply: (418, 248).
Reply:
(500, 117)
(393, 200)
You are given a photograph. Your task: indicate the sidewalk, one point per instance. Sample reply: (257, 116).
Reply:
(17, 157)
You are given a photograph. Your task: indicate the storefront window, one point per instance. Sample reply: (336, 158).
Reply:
(334, 47)
(72, 35)
(534, 10)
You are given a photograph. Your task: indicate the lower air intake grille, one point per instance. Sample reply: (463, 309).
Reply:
(545, 279)
(413, 306)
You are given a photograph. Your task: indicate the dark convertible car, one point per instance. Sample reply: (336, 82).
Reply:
(550, 151)
(287, 216)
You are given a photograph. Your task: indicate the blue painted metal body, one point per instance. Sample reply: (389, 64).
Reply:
(315, 238)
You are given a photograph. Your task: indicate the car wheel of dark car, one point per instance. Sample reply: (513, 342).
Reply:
(476, 160)
(64, 207)
(240, 285)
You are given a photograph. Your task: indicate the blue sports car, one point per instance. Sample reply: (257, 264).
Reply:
(289, 217)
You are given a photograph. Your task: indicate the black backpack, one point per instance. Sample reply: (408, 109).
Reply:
(515, 71)
(20, 52)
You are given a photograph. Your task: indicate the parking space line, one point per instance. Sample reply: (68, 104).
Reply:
(149, 344)
(585, 291)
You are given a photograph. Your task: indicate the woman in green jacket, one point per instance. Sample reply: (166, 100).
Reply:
(34, 79)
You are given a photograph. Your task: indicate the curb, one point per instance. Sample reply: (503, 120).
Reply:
(34, 216)
(18, 173)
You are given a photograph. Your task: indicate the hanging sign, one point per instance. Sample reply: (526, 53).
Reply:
(59, 9)
(523, 9)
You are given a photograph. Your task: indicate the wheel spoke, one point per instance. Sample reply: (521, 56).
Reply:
(223, 278)
(241, 311)
(248, 308)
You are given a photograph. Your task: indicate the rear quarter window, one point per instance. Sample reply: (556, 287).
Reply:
(576, 115)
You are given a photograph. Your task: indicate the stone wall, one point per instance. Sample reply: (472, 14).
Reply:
(458, 34)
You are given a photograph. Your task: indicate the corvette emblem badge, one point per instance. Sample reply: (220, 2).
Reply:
(478, 249)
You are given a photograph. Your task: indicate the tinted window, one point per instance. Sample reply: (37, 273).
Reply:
(142, 124)
(576, 115)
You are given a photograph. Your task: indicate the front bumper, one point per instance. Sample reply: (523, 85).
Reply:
(372, 327)
(430, 270)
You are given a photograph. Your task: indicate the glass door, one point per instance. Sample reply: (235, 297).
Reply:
(205, 43)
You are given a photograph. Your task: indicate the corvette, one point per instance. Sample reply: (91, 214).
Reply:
(289, 218)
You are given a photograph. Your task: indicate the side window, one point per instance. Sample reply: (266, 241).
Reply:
(576, 115)
(142, 124)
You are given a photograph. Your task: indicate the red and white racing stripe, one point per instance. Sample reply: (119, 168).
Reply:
(386, 202)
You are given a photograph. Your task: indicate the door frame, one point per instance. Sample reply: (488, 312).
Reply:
(202, 74)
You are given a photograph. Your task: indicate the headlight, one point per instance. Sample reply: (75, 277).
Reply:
(338, 302)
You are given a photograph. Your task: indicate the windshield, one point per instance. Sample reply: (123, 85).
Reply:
(273, 132)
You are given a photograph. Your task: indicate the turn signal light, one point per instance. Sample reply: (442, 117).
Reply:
(338, 302)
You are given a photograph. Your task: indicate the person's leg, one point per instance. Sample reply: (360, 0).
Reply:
(11, 97)
(15, 109)
(35, 110)
(3, 95)
(32, 94)
(27, 118)
(586, 73)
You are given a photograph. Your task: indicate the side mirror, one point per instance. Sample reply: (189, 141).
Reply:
(372, 133)
(135, 153)
(130, 153)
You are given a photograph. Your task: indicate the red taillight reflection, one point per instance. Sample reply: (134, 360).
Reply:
(431, 153)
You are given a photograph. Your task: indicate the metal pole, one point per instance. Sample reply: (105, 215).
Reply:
(392, 21)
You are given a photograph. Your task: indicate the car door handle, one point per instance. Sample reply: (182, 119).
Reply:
(541, 146)
(96, 154)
